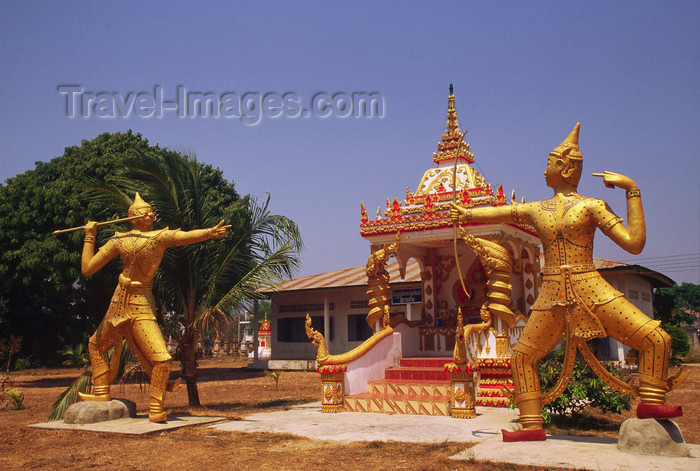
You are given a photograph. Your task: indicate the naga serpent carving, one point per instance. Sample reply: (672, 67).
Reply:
(324, 358)
(499, 266)
(379, 291)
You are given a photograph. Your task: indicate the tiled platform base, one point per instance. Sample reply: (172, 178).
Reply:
(418, 386)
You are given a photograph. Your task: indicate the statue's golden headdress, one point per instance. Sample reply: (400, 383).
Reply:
(569, 146)
(138, 204)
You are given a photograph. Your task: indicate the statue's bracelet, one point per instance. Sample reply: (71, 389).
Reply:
(634, 192)
(468, 216)
(89, 239)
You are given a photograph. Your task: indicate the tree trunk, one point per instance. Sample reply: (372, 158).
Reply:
(189, 359)
(189, 371)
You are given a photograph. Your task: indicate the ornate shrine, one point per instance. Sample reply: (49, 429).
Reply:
(264, 337)
(448, 325)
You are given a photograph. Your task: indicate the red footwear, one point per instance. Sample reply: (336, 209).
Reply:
(524, 435)
(658, 411)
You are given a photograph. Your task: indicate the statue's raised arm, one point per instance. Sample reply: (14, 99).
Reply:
(632, 238)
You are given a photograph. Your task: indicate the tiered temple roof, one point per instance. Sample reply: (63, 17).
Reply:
(453, 179)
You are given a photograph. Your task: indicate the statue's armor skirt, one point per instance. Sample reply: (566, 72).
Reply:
(580, 289)
(131, 315)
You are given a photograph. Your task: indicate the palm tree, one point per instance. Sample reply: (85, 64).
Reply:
(203, 284)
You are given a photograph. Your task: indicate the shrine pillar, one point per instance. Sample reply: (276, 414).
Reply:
(428, 281)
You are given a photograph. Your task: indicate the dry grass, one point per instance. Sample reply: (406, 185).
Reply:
(226, 389)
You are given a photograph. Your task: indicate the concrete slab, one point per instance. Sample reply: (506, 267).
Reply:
(558, 451)
(138, 425)
(307, 420)
(562, 451)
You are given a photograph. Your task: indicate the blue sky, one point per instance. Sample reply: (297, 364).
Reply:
(524, 73)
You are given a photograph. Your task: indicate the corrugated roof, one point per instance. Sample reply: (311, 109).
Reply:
(356, 276)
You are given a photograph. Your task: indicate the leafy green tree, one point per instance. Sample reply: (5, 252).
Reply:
(264, 308)
(674, 305)
(202, 285)
(43, 298)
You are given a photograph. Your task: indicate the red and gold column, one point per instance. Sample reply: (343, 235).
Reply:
(462, 397)
(332, 387)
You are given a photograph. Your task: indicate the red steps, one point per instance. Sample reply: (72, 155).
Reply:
(418, 386)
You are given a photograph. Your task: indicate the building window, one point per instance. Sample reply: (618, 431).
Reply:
(363, 304)
(292, 329)
(305, 307)
(358, 330)
(633, 294)
(646, 296)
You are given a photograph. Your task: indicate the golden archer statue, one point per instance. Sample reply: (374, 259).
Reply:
(574, 299)
(131, 313)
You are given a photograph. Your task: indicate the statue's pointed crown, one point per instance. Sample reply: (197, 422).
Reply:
(137, 204)
(571, 142)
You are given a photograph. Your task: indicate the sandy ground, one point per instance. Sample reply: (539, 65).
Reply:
(228, 390)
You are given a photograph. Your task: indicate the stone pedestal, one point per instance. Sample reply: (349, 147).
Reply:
(90, 412)
(652, 437)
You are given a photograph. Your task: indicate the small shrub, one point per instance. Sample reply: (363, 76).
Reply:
(13, 398)
(584, 390)
(21, 364)
(680, 342)
(274, 376)
(76, 356)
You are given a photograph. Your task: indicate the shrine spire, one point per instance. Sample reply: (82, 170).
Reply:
(449, 144)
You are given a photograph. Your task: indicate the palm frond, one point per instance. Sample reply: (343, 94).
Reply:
(134, 373)
(213, 320)
(263, 253)
(83, 383)
(106, 193)
(125, 357)
(70, 395)
(264, 275)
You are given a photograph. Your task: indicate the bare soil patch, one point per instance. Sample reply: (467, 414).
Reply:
(227, 389)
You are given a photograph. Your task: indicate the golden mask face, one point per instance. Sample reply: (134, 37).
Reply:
(145, 222)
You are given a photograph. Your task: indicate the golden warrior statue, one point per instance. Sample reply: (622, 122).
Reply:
(131, 313)
(574, 299)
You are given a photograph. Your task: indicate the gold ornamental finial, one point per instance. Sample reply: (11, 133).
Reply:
(571, 142)
(449, 147)
(452, 123)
